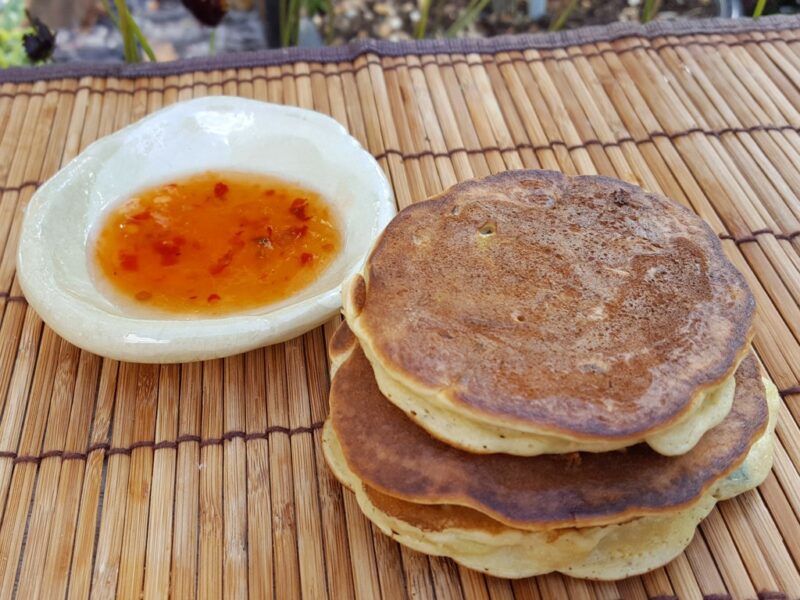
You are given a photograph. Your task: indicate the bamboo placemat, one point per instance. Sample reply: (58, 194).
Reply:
(207, 480)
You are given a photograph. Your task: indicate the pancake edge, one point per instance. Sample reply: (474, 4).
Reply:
(677, 527)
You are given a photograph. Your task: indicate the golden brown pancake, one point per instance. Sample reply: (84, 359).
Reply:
(577, 307)
(387, 452)
(606, 552)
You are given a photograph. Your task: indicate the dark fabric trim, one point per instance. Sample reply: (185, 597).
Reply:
(560, 39)
(426, 61)
(163, 445)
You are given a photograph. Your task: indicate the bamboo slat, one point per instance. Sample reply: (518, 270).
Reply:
(207, 480)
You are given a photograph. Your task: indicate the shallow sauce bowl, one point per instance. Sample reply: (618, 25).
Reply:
(208, 134)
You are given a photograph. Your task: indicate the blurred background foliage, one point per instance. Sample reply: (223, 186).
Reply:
(25, 39)
(13, 26)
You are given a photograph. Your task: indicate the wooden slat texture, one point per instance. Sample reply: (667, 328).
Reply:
(208, 480)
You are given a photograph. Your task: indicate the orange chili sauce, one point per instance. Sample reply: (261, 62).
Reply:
(216, 243)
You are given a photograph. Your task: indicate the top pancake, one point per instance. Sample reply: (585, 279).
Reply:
(576, 306)
(387, 452)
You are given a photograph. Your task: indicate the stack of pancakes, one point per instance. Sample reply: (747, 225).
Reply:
(543, 373)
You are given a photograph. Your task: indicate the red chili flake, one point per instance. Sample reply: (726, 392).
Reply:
(220, 189)
(298, 209)
(297, 232)
(306, 258)
(222, 264)
(213, 297)
(143, 296)
(269, 193)
(142, 216)
(169, 251)
(129, 262)
(327, 247)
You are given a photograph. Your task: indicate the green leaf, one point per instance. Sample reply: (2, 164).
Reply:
(562, 18)
(649, 10)
(128, 38)
(137, 33)
(759, 9)
(470, 15)
(13, 28)
(424, 11)
(317, 7)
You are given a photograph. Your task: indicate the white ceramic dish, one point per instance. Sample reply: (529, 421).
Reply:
(215, 133)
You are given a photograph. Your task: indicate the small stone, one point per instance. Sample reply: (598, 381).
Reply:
(666, 15)
(341, 23)
(629, 14)
(383, 9)
(395, 23)
(383, 30)
(164, 51)
(414, 16)
(634, 2)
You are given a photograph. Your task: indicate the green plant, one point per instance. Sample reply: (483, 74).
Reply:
(289, 15)
(24, 39)
(759, 9)
(424, 11)
(324, 8)
(563, 16)
(470, 14)
(289, 12)
(132, 36)
(12, 30)
(649, 10)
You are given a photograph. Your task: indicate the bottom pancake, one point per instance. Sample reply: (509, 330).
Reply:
(600, 516)
(605, 552)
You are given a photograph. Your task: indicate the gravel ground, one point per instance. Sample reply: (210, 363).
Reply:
(358, 19)
(171, 30)
(174, 33)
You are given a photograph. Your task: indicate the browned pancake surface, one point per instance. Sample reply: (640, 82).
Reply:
(433, 517)
(580, 305)
(388, 452)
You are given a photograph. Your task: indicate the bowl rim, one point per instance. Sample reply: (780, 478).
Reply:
(168, 340)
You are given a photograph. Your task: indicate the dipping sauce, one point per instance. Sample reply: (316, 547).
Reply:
(216, 243)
